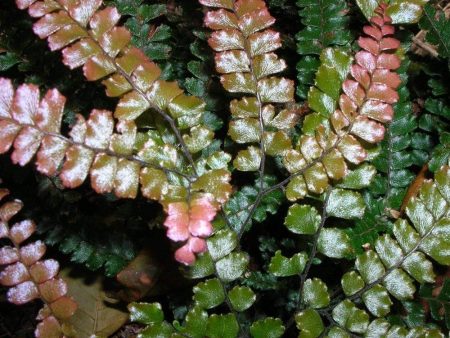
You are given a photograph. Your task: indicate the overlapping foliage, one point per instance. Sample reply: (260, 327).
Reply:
(364, 245)
(29, 276)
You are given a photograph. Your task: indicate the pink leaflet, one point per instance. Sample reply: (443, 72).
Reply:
(65, 36)
(218, 3)
(78, 131)
(49, 327)
(389, 43)
(380, 91)
(348, 107)
(6, 97)
(25, 145)
(49, 114)
(31, 253)
(102, 173)
(255, 21)
(25, 104)
(376, 20)
(232, 62)
(103, 21)
(366, 60)
(368, 130)
(361, 75)
(14, 274)
(197, 245)
(41, 8)
(221, 19)
(185, 255)
(352, 149)
(83, 10)
(99, 128)
(200, 228)
(23, 4)
(177, 221)
(387, 30)
(369, 45)
(354, 91)
(10, 209)
(8, 255)
(114, 40)
(126, 181)
(226, 39)
(22, 231)
(388, 61)
(377, 110)
(387, 77)
(201, 208)
(64, 307)
(9, 132)
(4, 231)
(51, 23)
(374, 32)
(77, 54)
(22, 293)
(50, 155)
(53, 289)
(76, 167)
(264, 42)
(248, 6)
(97, 67)
(339, 121)
(42, 271)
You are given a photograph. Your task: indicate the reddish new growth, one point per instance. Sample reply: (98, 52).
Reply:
(29, 277)
(190, 223)
(372, 90)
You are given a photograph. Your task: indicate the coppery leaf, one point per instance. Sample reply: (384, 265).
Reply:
(31, 253)
(52, 289)
(22, 230)
(43, 271)
(23, 293)
(14, 274)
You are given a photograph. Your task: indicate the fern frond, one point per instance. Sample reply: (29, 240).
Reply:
(383, 274)
(29, 276)
(90, 37)
(245, 58)
(332, 137)
(326, 25)
(33, 127)
(396, 263)
(404, 149)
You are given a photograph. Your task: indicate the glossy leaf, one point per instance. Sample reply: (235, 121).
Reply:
(221, 244)
(334, 243)
(268, 327)
(146, 313)
(222, 326)
(232, 266)
(315, 293)
(282, 266)
(29, 276)
(309, 323)
(241, 297)
(406, 11)
(302, 219)
(209, 294)
(345, 204)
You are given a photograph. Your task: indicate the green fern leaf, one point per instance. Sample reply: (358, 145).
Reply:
(326, 25)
